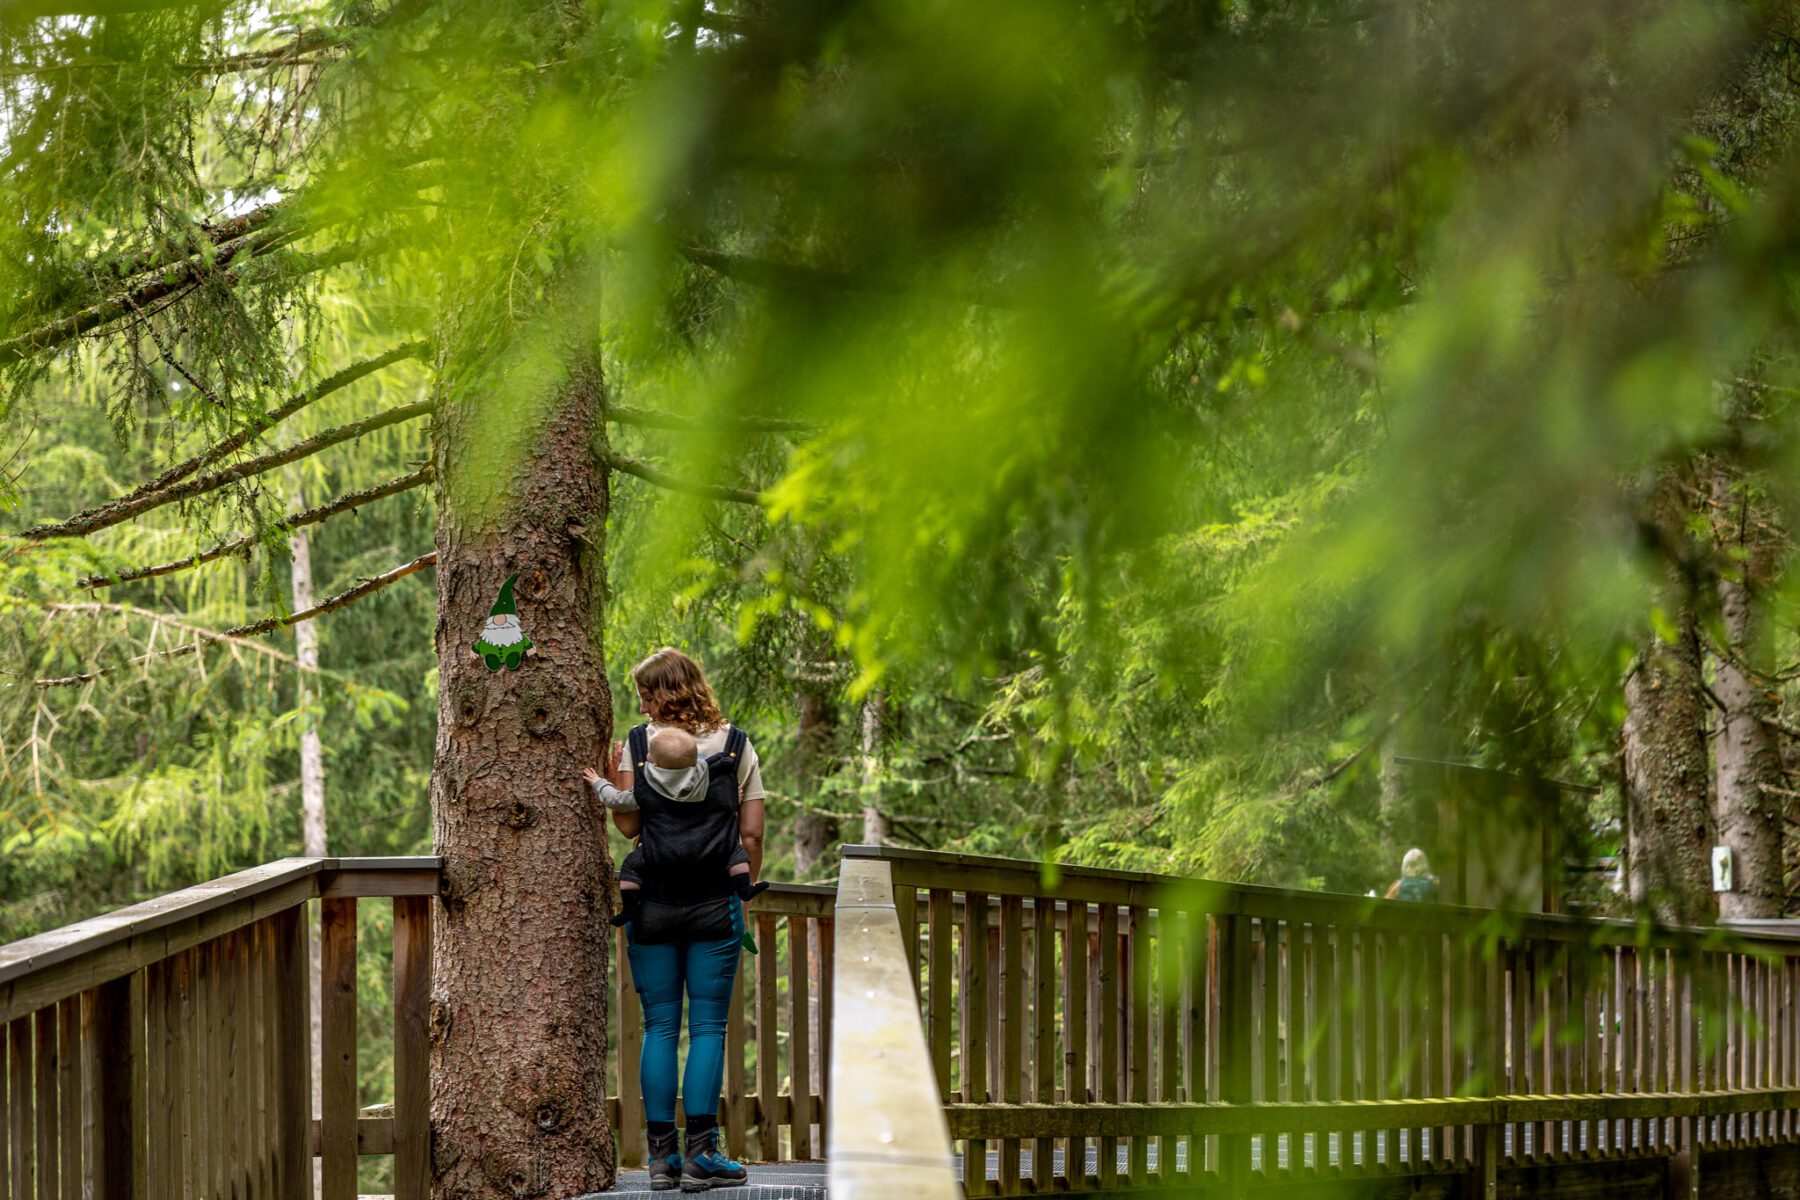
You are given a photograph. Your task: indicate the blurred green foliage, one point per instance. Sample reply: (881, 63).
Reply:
(1201, 398)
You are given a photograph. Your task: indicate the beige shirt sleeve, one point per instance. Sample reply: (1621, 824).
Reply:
(750, 784)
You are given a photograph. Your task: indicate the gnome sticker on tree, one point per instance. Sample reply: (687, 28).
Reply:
(502, 642)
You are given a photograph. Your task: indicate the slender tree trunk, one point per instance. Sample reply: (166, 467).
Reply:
(875, 823)
(1667, 781)
(814, 832)
(519, 950)
(312, 780)
(1748, 814)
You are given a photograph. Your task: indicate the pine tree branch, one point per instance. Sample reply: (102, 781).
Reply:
(644, 418)
(165, 622)
(237, 634)
(710, 491)
(275, 416)
(160, 284)
(311, 516)
(115, 512)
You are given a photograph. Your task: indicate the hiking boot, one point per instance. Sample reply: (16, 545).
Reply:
(665, 1163)
(706, 1166)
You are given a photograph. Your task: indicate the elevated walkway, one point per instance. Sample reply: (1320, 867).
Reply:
(1094, 1032)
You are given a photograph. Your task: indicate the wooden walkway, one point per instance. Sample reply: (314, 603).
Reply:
(1100, 1033)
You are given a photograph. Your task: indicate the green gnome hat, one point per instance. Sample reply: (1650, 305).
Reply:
(504, 604)
(510, 644)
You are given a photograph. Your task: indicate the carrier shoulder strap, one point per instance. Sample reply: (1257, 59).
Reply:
(735, 740)
(638, 740)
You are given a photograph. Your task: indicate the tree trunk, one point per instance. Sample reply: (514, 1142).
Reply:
(814, 832)
(312, 782)
(1748, 815)
(875, 823)
(1668, 830)
(520, 946)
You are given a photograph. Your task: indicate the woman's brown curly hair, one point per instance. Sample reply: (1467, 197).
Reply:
(676, 692)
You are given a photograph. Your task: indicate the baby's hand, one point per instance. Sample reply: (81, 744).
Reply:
(591, 775)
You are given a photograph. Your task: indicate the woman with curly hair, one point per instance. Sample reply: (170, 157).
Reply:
(697, 810)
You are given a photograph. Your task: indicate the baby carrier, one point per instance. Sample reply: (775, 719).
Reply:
(686, 848)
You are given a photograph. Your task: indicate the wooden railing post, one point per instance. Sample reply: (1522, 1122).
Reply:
(412, 1085)
(293, 1057)
(1235, 1000)
(337, 1088)
(117, 1038)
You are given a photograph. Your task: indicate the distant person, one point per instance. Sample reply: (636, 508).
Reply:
(1416, 883)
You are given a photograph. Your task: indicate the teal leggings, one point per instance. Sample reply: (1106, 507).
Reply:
(706, 971)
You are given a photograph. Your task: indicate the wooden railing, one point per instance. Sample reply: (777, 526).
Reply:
(888, 1138)
(777, 1037)
(163, 1050)
(1107, 1030)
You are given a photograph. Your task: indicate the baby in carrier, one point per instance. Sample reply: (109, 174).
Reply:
(688, 849)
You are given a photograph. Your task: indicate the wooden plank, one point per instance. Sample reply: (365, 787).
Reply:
(1438, 1008)
(237, 1101)
(827, 931)
(1012, 1027)
(1294, 1030)
(1329, 1014)
(163, 1076)
(293, 1056)
(265, 1016)
(68, 1091)
(1107, 969)
(1235, 1049)
(23, 1132)
(117, 1033)
(799, 1045)
(1125, 1119)
(632, 1138)
(768, 1018)
(1169, 1012)
(1043, 976)
(337, 1022)
(1075, 1033)
(7, 1188)
(49, 1156)
(204, 1082)
(939, 1001)
(1137, 976)
(218, 1075)
(974, 992)
(1518, 958)
(412, 1047)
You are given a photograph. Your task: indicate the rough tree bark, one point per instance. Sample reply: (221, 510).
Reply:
(519, 952)
(814, 832)
(1748, 760)
(1667, 781)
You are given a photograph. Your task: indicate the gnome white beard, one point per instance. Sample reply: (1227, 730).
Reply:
(499, 632)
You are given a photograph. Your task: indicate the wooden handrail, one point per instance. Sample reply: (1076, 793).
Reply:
(1098, 885)
(52, 966)
(888, 1139)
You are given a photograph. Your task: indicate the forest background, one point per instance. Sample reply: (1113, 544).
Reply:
(1125, 436)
